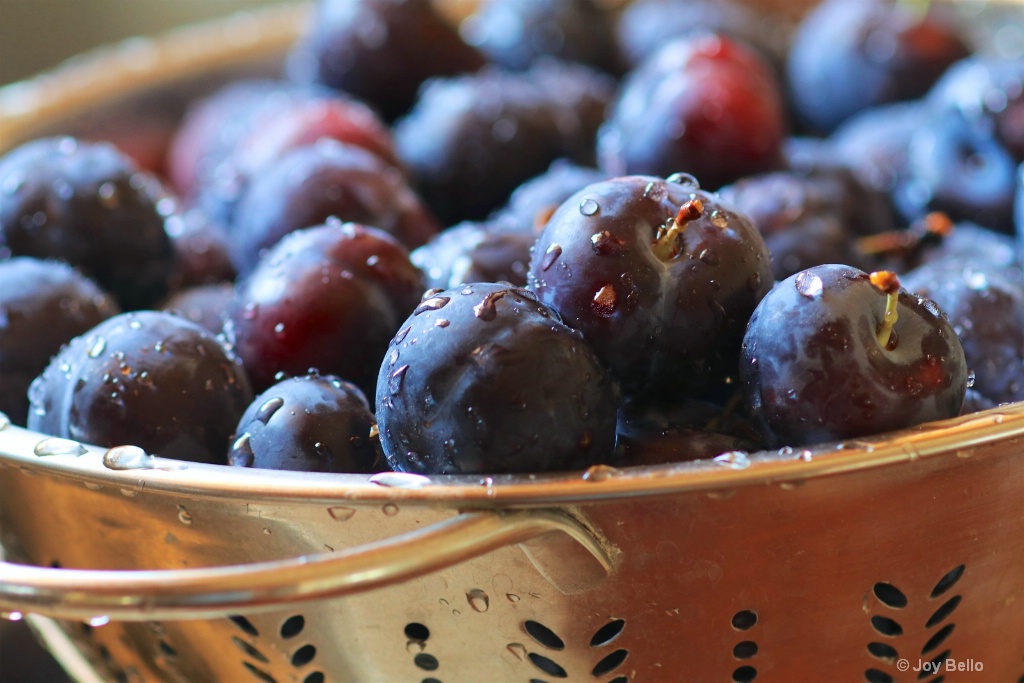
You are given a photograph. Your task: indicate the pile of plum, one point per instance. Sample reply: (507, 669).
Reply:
(548, 237)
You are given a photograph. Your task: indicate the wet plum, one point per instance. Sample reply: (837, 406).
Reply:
(329, 297)
(43, 305)
(835, 353)
(312, 423)
(147, 378)
(485, 379)
(87, 204)
(659, 276)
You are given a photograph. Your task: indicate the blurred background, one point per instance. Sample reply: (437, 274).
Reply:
(38, 34)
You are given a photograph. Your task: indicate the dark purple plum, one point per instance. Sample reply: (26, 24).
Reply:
(515, 33)
(874, 143)
(834, 353)
(491, 251)
(329, 297)
(470, 141)
(532, 203)
(847, 57)
(957, 167)
(986, 309)
(656, 434)
(43, 305)
(486, 379)
(988, 90)
(646, 25)
(202, 253)
(658, 275)
(702, 104)
(328, 179)
(380, 51)
(89, 205)
(205, 305)
(312, 423)
(151, 379)
(798, 218)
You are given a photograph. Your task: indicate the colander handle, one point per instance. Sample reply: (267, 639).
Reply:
(214, 592)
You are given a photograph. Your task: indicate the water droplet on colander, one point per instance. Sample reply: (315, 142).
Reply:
(399, 480)
(588, 207)
(550, 256)
(518, 650)
(478, 600)
(414, 647)
(96, 347)
(807, 456)
(96, 622)
(734, 460)
(684, 179)
(129, 493)
(341, 514)
(57, 446)
(5, 421)
(11, 616)
(809, 285)
(512, 597)
(597, 473)
(184, 516)
(390, 509)
(127, 458)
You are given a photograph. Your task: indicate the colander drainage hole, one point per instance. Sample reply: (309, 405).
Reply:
(293, 626)
(610, 663)
(315, 677)
(886, 626)
(744, 649)
(933, 666)
(947, 581)
(167, 649)
(548, 666)
(944, 611)
(543, 635)
(417, 632)
(607, 633)
(304, 655)
(744, 674)
(940, 637)
(249, 650)
(876, 676)
(744, 620)
(890, 595)
(426, 662)
(259, 673)
(244, 624)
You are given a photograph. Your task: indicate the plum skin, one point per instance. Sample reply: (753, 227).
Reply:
(149, 378)
(813, 370)
(485, 379)
(662, 326)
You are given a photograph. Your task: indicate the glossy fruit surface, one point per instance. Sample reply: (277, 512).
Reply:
(43, 305)
(328, 298)
(486, 379)
(311, 423)
(814, 367)
(704, 105)
(147, 378)
(658, 275)
(86, 204)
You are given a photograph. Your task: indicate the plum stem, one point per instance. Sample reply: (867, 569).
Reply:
(889, 284)
(666, 245)
(929, 230)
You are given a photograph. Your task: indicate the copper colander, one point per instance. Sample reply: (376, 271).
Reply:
(895, 558)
